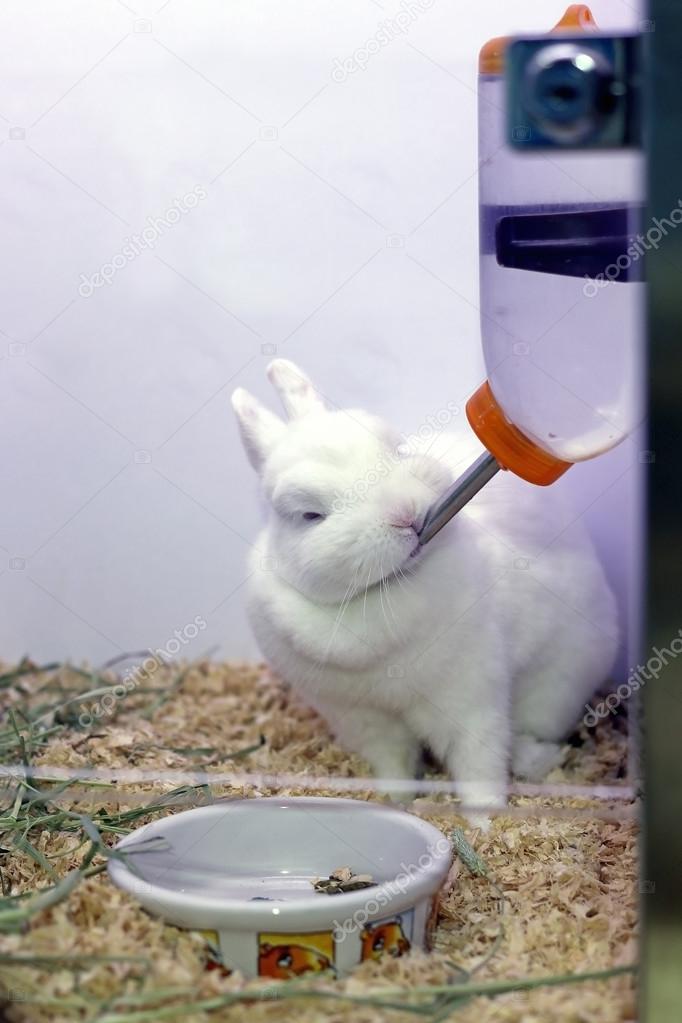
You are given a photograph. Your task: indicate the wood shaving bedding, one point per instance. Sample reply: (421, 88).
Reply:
(570, 885)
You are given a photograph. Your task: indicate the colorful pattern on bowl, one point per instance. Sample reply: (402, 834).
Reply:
(282, 956)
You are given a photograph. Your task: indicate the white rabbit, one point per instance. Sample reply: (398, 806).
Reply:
(460, 645)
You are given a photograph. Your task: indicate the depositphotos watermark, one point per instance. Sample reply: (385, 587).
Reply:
(639, 244)
(637, 679)
(382, 896)
(412, 444)
(132, 677)
(135, 244)
(388, 30)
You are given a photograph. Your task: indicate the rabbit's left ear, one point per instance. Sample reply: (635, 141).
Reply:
(259, 427)
(294, 388)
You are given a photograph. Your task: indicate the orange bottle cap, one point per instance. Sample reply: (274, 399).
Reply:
(512, 449)
(576, 16)
(491, 57)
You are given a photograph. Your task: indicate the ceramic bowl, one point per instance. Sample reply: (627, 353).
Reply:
(241, 871)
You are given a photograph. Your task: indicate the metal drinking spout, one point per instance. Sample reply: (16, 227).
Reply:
(459, 494)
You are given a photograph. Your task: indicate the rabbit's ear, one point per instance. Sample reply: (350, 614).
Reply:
(260, 429)
(294, 388)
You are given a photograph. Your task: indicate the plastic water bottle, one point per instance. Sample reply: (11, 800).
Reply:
(562, 296)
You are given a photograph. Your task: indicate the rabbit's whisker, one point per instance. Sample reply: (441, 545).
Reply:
(347, 597)
(382, 589)
(389, 603)
(364, 602)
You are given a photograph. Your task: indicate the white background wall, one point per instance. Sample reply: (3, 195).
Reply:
(339, 229)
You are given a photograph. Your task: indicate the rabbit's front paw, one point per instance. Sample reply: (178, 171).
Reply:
(479, 803)
(390, 782)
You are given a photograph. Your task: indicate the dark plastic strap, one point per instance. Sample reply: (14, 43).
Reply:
(573, 243)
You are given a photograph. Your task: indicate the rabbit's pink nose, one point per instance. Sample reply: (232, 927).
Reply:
(404, 520)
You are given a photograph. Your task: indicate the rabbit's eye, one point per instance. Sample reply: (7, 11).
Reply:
(313, 516)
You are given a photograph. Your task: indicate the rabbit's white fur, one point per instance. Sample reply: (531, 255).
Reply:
(461, 645)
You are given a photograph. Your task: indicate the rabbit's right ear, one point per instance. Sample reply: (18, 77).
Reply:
(294, 388)
(260, 429)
